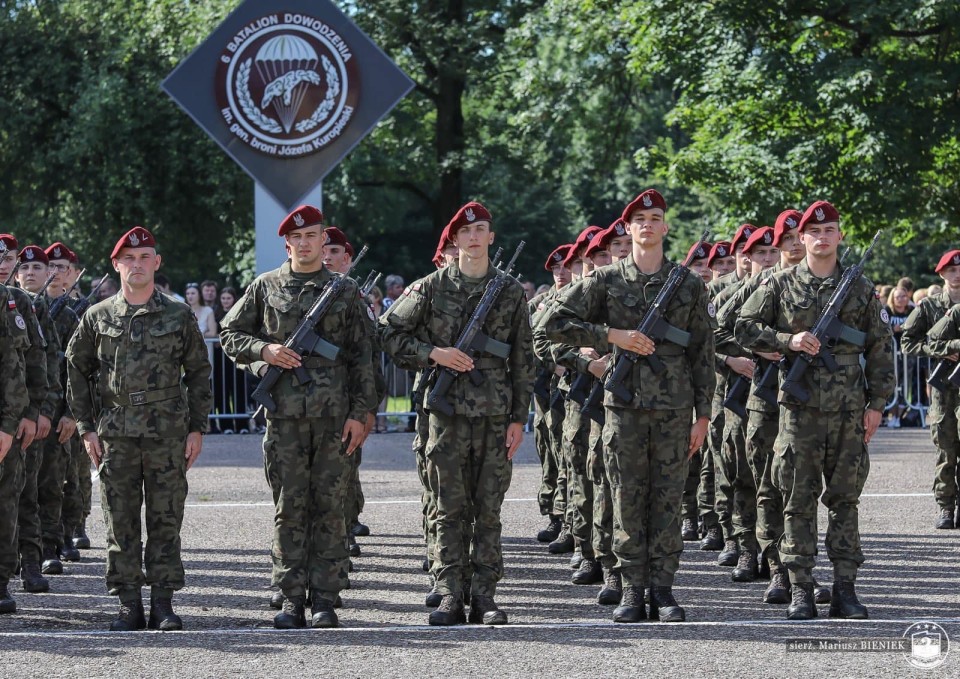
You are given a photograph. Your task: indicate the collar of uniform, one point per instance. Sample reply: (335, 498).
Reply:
(807, 276)
(632, 274)
(456, 276)
(287, 279)
(123, 308)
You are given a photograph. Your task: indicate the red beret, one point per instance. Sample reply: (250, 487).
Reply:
(558, 256)
(820, 212)
(601, 240)
(762, 236)
(743, 233)
(583, 240)
(137, 237)
(302, 217)
(647, 200)
(951, 258)
(787, 221)
(468, 214)
(334, 236)
(34, 253)
(60, 251)
(702, 252)
(9, 241)
(719, 250)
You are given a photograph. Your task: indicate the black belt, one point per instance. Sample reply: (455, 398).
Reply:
(140, 398)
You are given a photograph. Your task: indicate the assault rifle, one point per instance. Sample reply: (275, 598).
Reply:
(828, 330)
(472, 340)
(81, 305)
(654, 326)
(60, 302)
(541, 386)
(954, 377)
(939, 378)
(372, 278)
(738, 393)
(305, 340)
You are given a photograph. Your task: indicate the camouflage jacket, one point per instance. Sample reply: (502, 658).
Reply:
(53, 403)
(944, 337)
(790, 302)
(66, 324)
(128, 367)
(618, 296)
(433, 311)
(923, 317)
(22, 321)
(14, 400)
(269, 312)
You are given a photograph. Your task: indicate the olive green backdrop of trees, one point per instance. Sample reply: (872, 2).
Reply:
(552, 112)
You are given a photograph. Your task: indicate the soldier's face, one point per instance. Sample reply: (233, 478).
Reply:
(32, 276)
(791, 249)
(63, 279)
(561, 275)
(699, 267)
(474, 240)
(7, 261)
(742, 259)
(647, 227)
(73, 274)
(306, 248)
(620, 247)
(951, 276)
(450, 254)
(336, 259)
(821, 240)
(763, 257)
(136, 267)
(600, 258)
(576, 269)
(586, 266)
(721, 266)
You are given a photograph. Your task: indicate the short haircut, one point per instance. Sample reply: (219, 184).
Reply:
(208, 283)
(391, 280)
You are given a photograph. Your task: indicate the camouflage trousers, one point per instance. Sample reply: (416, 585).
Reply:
(817, 449)
(50, 480)
(576, 435)
(737, 472)
(555, 420)
(602, 500)
(468, 474)
(11, 483)
(149, 473)
(77, 487)
(306, 468)
(706, 490)
(690, 505)
(548, 459)
(762, 430)
(943, 420)
(352, 491)
(645, 455)
(29, 532)
(722, 486)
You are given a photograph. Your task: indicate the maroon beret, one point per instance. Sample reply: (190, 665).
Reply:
(557, 256)
(647, 200)
(33, 253)
(787, 221)
(302, 217)
(334, 236)
(137, 237)
(741, 236)
(9, 241)
(601, 239)
(762, 236)
(699, 251)
(579, 245)
(60, 251)
(951, 258)
(820, 212)
(719, 250)
(468, 214)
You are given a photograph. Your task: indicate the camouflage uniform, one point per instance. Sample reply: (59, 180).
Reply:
(944, 405)
(645, 441)
(127, 369)
(821, 442)
(549, 459)
(304, 459)
(467, 469)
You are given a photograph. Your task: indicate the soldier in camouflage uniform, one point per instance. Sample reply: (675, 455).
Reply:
(14, 401)
(138, 383)
(823, 441)
(469, 454)
(647, 441)
(721, 260)
(944, 404)
(317, 425)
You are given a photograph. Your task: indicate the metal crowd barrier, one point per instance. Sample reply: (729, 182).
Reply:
(912, 392)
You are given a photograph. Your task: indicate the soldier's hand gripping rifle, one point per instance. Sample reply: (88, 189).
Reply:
(654, 326)
(60, 302)
(81, 305)
(305, 339)
(472, 340)
(829, 330)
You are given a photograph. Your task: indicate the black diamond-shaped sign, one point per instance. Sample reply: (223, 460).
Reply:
(287, 92)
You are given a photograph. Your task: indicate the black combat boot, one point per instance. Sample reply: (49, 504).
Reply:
(352, 547)
(31, 579)
(68, 552)
(778, 591)
(821, 593)
(80, 538)
(276, 600)
(7, 603)
(563, 544)
(434, 596)
(689, 530)
(664, 606)
(945, 519)
(802, 605)
(552, 531)
(746, 569)
(130, 618)
(576, 558)
(425, 565)
(360, 530)
(484, 610)
(631, 608)
(293, 615)
(730, 554)
(612, 589)
(450, 612)
(844, 602)
(51, 562)
(590, 572)
(323, 614)
(712, 541)
(162, 616)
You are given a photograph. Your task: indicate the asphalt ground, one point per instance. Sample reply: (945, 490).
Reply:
(556, 628)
